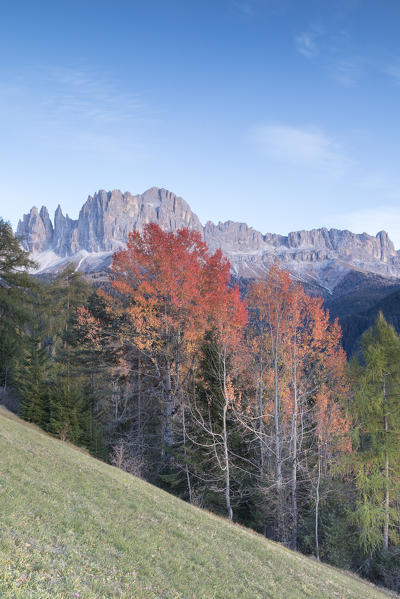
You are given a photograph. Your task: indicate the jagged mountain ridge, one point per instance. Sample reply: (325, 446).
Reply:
(320, 257)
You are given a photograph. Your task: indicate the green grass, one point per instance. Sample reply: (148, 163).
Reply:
(71, 524)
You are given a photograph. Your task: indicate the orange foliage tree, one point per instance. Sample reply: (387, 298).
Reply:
(227, 317)
(299, 380)
(173, 291)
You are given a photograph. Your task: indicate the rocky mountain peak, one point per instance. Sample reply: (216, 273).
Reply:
(36, 230)
(104, 221)
(387, 246)
(322, 256)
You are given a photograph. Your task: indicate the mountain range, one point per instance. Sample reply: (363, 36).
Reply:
(321, 257)
(356, 274)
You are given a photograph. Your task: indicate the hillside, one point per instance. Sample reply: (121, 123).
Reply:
(357, 301)
(75, 527)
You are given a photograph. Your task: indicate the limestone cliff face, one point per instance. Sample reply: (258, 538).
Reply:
(106, 218)
(306, 253)
(321, 255)
(105, 221)
(232, 237)
(345, 242)
(36, 230)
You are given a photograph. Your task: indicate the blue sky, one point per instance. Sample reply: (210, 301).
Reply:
(280, 113)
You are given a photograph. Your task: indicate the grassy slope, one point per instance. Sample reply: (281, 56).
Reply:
(73, 525)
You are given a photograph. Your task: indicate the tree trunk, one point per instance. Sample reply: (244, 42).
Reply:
(225, 443)
(261, 428)
(5, 379)
(261, 431)
(185, 454)
(278, 462)
(115, 399)
(226, 463)
(293, 532)
(168, 411)
(317, 506)
(139, 407)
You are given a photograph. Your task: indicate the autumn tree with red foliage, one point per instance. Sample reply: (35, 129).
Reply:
(229, 316)
(222, 352)
(173, 291)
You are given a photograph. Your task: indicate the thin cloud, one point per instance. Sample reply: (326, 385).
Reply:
(306, 45)
(335, 51)
(244, 8)
(79, 94)
(347, 72)
(394, 72)
(75, 109)
(308, 147)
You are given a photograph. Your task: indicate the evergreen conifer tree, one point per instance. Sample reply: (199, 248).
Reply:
(14, 299)
(376, 407)
(32, 385)
(67, 415)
